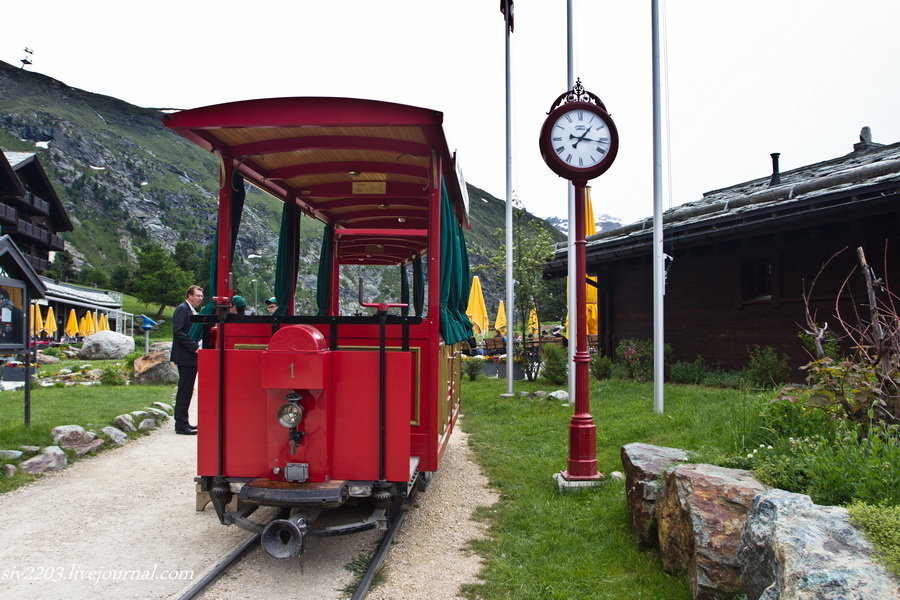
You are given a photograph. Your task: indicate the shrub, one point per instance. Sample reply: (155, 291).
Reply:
(130, 358)
(619, 371)
(555, 367)
(637, 357)
(114, 374)
(830, 345)
(471, 366)
(767, 368)
(880, 524)
(52, 352)
(837, 466)
(601, 366)
(723, 379)
(689, 372)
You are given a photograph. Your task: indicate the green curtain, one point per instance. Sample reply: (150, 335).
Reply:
(238, 194)
(404, 289)
(288, 258)
(323, 285)
(455, 277)
(418, 285)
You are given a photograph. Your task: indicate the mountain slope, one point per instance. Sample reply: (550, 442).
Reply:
(125, 179)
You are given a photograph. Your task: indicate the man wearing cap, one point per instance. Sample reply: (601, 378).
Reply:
(271, 305)
(238, 305)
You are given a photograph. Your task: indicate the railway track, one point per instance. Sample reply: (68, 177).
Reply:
(362, 587)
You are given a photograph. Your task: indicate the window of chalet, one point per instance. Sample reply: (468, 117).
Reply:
(757, 280)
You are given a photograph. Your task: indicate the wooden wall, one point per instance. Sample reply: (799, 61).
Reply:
(707, 311)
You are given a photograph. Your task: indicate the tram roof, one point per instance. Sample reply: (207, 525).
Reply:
(360, 165)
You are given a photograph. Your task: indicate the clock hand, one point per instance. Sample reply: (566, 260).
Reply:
(575, 145)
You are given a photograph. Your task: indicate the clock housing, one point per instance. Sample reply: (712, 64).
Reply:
(579, 140)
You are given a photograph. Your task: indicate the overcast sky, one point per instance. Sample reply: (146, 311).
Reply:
(746, 79)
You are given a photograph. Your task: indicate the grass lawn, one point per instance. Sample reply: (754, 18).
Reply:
(578, 545)
(91, 406)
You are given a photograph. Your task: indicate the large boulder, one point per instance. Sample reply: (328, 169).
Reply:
(700, 516)
(106, 344)
(45, 359)
(125, 423)
(154, 368)
(51, 459)
(161, 347)
(74, 437)
(792, 549)
(645, 466)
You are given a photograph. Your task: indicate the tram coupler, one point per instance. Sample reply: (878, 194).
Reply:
(285, 538)
(220, 495)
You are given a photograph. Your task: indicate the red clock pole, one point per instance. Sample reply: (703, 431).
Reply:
(582, 431)
(579, 142)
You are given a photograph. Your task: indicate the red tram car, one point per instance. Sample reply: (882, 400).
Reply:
(314, 412)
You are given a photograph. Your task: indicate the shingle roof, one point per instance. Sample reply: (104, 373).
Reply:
(15, 158)
(78, 295)
(757, 200)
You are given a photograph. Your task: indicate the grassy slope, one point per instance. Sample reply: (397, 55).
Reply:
(547, 545)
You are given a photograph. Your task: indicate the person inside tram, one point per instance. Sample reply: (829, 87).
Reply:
(238, 305)
(271, 305)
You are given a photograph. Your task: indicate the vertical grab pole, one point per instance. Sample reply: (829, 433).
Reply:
(223, 294)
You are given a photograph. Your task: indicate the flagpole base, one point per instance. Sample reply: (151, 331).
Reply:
(566, 484)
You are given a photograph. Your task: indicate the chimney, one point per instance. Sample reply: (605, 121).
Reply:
(865, 141)
(776, 174)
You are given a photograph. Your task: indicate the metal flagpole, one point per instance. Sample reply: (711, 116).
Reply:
(570, 242)
(658, 257)
(510, 307)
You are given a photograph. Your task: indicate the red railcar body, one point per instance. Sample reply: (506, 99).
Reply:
(377, 394)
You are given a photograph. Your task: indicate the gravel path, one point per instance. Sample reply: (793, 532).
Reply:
(123, 525)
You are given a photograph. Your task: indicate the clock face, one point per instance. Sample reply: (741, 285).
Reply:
(580, 138)
(579, 141)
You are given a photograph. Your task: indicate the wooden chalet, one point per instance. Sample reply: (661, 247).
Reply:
(743, 256)
(30, 211)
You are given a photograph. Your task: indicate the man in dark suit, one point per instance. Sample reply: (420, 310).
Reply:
(184, 355)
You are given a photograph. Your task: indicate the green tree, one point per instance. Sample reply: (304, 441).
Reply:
(121, 279)
(63, 267)
(187, 255)
(93, 276)
(532, 247)
(159, 279)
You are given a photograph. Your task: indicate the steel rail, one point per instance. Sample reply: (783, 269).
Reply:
(220, 568)
(362, 589)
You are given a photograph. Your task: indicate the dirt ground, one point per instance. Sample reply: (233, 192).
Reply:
(123, 524)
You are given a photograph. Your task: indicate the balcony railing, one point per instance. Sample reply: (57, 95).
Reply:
(9, 216)
(33, 232)
(57, 243)
(40, 265)
(36, 203)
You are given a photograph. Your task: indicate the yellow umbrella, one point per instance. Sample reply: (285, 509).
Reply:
(89, 327)
(37, 323)
(104, 323)
(72, 328)
(590, 228)
(50, 322)
(590, 292)
(500, 321)
(477, 311)
(533, 324)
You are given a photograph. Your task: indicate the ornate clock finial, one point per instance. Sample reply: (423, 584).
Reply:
(577, 94)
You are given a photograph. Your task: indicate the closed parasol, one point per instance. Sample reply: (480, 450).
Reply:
(500, 321)
(476, 310)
